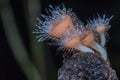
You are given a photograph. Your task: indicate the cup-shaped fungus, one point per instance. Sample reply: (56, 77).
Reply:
(73, 41)
(88, 37)
(100, 25)
(57, 24)
(68, 31)
(89, 41)
(61, 26)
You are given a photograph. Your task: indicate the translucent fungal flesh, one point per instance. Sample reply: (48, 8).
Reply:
(100, 49)
(89, 38)
(65, 29)
(103, 39)
(100, 29)
(90, 42)
(99, 22)
(73, 41)
(60, 27)
(58, 20)
(100, 25)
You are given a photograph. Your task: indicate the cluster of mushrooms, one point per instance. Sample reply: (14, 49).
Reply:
(65, 30)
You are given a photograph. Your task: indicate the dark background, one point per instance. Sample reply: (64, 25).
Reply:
(84, 9)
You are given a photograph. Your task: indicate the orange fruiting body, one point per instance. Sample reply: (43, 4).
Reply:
(73, 43)
(99, 24)
(100, 29)
(89, 39)
(61, 26)
(64, 28)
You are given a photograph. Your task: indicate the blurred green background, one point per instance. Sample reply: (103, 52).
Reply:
(23, 58)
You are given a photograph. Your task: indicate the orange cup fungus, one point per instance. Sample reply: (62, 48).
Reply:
(61, 26)
(65, 26)
(88, 39)
(73, 43)
(100, 29)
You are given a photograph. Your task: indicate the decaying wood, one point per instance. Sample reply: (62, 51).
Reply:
(86, 66)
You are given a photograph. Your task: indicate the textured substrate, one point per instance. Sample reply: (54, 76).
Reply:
(86, 66)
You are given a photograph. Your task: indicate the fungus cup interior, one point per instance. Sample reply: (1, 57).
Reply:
(73, 42)
(88, 38)
(61, 25)
(100, 29)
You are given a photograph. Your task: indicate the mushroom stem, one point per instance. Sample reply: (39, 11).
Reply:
(100, 49)
(85, 49)
(103, 39)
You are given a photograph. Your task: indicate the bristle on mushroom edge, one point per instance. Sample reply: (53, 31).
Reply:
(45, 26)
(81, 48)
(100, 25)
(64, 28)
(99, 22)
(72, 45)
